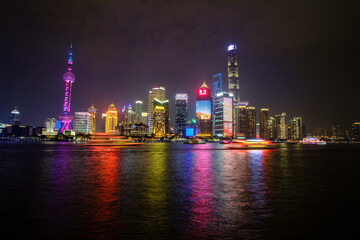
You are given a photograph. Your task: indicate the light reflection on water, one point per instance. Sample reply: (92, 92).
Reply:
(158, 191)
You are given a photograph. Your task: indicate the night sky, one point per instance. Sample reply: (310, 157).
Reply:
(298, 57)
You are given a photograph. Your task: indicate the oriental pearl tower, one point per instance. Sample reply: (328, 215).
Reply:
(66, 117)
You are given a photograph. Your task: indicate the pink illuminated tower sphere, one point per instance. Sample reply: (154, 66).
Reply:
(66, 117)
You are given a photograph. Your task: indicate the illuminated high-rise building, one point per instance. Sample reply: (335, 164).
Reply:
(165, 105)
(82, 122)
(234, 86)
(355, 131)
(131, 114)
(204, 111)
(181, 106)
(138, 111)
(223, 115)
(295, 132)
(103, 122)
(246, 121)
(145, 118)
(159, 121)
(335, 130)
(217, 84)
(92, 110)
(272, 128)
(281, 126)
(14, 118)
(264, 124)
(160, 94)
(233, 72)
(111, 119)
(251, 122)
(66, 117)
(50, 127)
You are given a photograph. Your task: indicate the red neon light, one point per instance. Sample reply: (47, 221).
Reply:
(202, 92)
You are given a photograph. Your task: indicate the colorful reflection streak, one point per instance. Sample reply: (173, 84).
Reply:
(202, 197)
(155, 182)
(103, 205)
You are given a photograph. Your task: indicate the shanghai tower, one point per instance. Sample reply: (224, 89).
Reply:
(233, 72)
(66, 117)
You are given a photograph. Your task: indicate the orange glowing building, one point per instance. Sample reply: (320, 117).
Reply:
(111, 119)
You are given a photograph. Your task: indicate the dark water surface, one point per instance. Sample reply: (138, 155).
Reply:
(178, 191)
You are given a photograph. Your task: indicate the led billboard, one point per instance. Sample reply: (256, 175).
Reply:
(228, 130)
(227, 109)
(189, 132)
(203, 109)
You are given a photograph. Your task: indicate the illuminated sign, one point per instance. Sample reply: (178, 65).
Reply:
(227, 109)
(228, 130)
(189, 132)
(203, 92)
(231, 47)
(203, 109)
(181, 96)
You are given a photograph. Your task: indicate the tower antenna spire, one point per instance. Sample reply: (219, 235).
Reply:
(70, 61)
(66, 117)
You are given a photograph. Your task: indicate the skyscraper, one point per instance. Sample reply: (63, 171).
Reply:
(295, 128)
(103, 122)
(272, 128)
(92, 112)
(246, 121)
(82, 122)
(131, 115)
(233, 86)
(181, 105)
(14, 118)
(335, 130)
(144, 118)
(50, 127)
(264, 124)
(66, 117)
(111, 119)
(217, 84)
(160, 94)
(251, 122)
(159, 121)
(223, 110)
(165, 105)
(233, 72)
(281, 126)
(138, 111)
(204, 111)
(355, 131)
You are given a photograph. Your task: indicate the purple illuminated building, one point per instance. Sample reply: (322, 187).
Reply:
(66, 117)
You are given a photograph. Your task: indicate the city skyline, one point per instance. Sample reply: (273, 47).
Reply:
(294, 71)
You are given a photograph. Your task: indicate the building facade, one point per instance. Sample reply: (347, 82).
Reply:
(50, 127)
(111, 119)
(160, 94)
(159, 121)
(138, 111)
(82, 122)
(204, 111)
(145, 118)
(295, 131)
(251, 122)
(272, 128)
(14, 118)
(92, 110)
(264, 123)
(181, 108)
(281, 126)
(223, 115)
